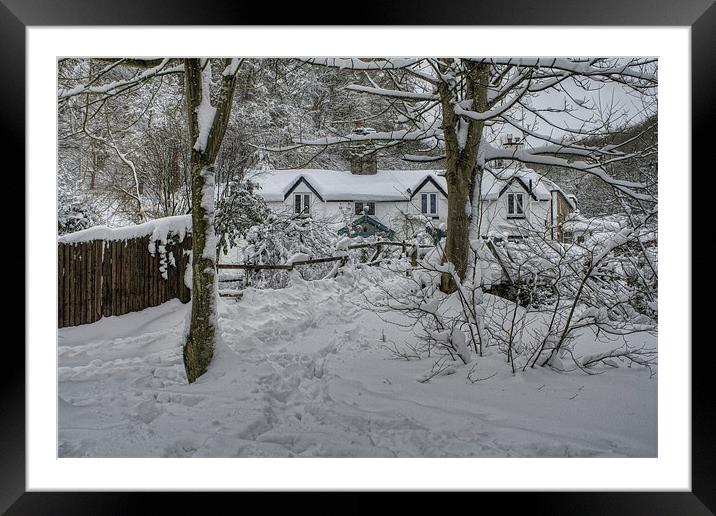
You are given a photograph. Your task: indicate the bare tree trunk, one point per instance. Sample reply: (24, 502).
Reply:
(462, 141)
(199, 347)
(457, 244)
(205, 138)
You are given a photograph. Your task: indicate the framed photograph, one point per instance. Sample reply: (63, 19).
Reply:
(416, 252)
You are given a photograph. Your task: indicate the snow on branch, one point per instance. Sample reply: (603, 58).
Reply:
(233, 67)
(496, 94)
(398, 94)
(641, 356)
(360, 64)
(563, 145)
(402, 135)
(114, 87)
(136, 62)
(422, 159)
(587, 68)
(495, 111)
(539, 157)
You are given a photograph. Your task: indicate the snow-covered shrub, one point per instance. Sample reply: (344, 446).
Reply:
(441, 332)
(238, 209)
(282, 239)
(75, 210)
(557, 291)
(368, 250)
(411, 226)
(602, 284)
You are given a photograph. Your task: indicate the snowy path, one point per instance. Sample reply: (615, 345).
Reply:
(300, 372)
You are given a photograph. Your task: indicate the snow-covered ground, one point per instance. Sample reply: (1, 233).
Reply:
(302, 371)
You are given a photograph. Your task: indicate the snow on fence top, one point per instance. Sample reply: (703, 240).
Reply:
(157, 230)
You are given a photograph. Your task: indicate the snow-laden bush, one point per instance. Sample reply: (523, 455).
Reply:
(279, 239)
(410, 225)
(616, 257)
(75, 209)
(604, 286)
(238, 209)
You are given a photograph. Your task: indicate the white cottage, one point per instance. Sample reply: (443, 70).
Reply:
(387, 200)
(518, 201)
(397, 202)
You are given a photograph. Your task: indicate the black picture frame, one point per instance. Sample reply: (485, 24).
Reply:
(700, 15)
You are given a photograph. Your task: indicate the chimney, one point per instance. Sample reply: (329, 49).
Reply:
(512, 140)
(363, 155)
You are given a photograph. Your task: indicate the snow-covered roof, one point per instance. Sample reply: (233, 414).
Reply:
(391, 185)
(337, 185)
(493, 181)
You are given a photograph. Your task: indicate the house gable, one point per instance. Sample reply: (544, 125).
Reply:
(428, 179)
(522, 183)
(298, 181)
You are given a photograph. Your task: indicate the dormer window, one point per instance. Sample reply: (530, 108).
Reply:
(360, 206)
(516, 205)
(429, 204)
(302, 204)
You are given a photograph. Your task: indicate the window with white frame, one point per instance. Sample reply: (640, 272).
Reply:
(429, 204)
(302, 204)
(516, 205)
(362, 205)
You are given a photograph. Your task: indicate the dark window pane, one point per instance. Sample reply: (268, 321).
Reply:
(424, 203)
(433, 203)
(359, 208)
(306, 203)
(297, 204)
(510, 204)
(519, 209)
(371, 208)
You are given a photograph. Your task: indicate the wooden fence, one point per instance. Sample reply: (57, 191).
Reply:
(100, 278)
(290, 266)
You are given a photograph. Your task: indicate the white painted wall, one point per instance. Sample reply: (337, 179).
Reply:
(389, 213)
(494, 212)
